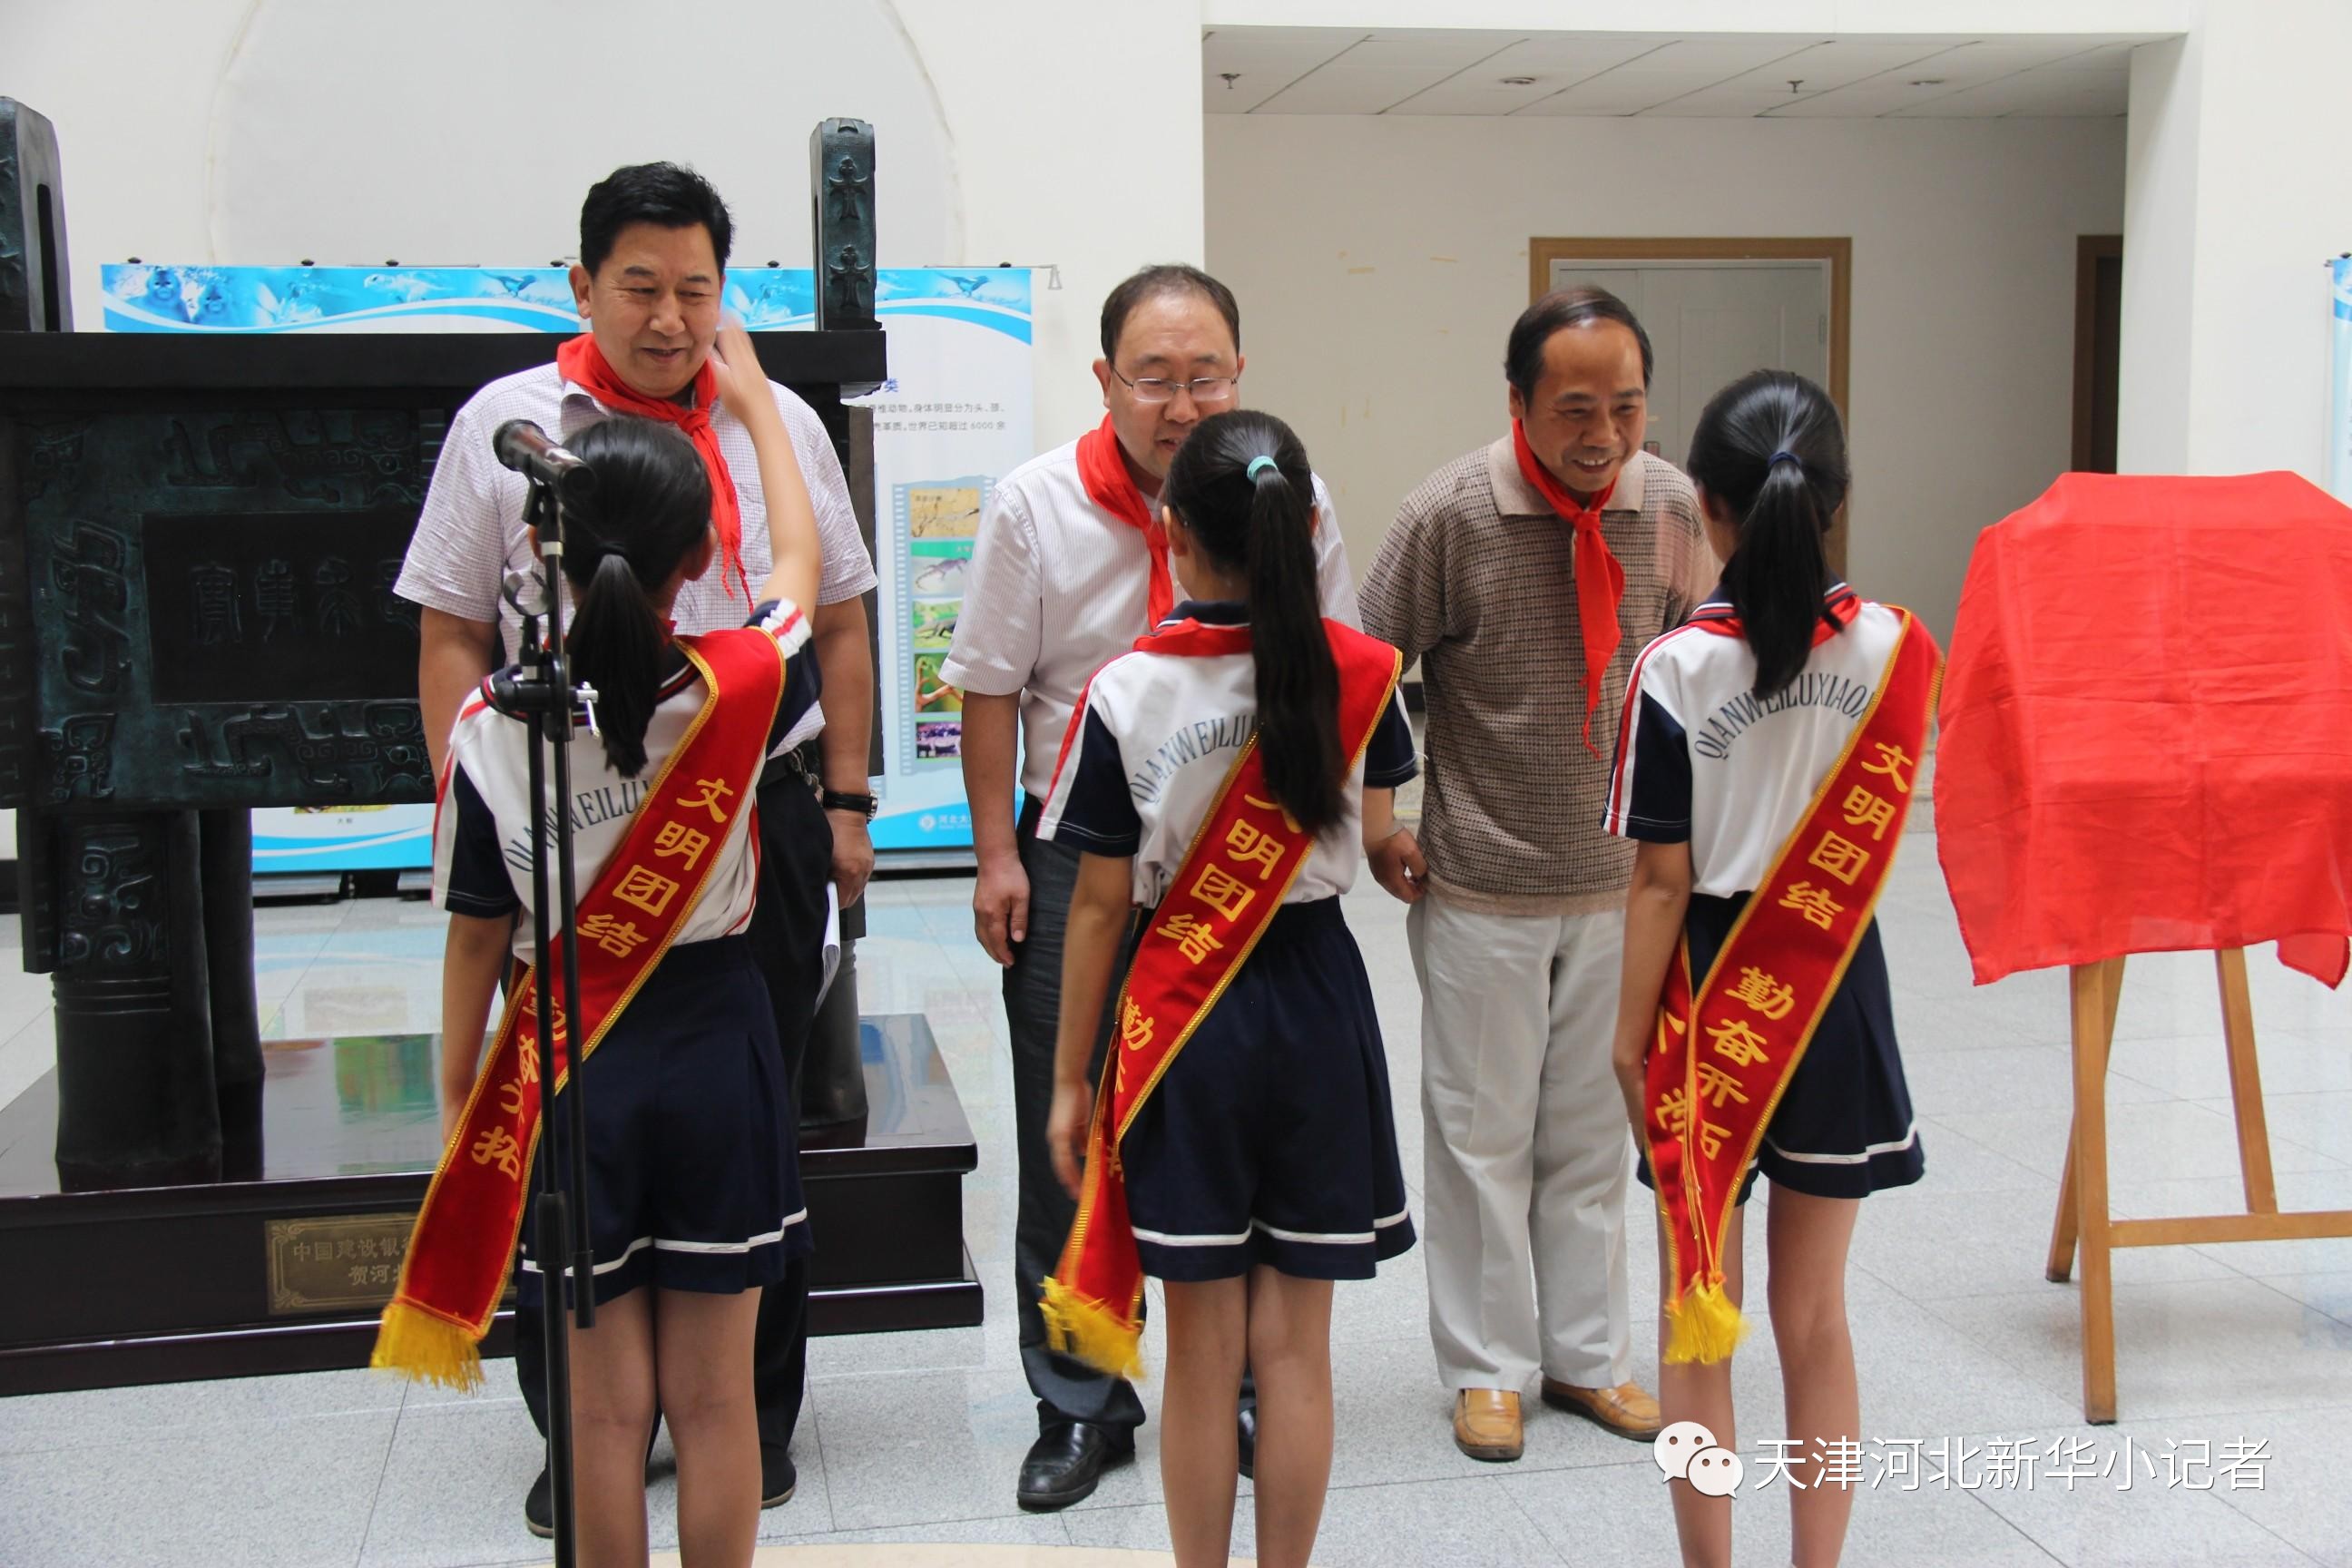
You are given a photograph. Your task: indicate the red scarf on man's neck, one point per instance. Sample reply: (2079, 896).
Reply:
(1599, 578)
(1102, 468)
(584, 365)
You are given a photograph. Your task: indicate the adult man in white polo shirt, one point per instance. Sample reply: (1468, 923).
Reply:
(653, 239)
(1069, 571)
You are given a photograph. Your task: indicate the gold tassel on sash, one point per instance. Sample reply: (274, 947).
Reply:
(1703, 1325)
(426, 1347)
(1721, 1058)
(1088, 1331)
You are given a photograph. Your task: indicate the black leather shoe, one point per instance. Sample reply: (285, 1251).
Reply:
(1248, 1434)
(1066, 1462)
(778, 1477)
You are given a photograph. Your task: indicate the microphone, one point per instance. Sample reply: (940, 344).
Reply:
(525, 447)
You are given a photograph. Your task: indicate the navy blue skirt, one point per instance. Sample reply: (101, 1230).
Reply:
(693, 1157)
(1271, 1140)
(1844, 1128)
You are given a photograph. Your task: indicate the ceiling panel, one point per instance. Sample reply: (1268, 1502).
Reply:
(1862, 102)
(1618, 92)
(1447, 52)
(1478, 92)
(2027, 94)
(1330, 90)
(1971, 65)
(1453, 71)
(1716, 58)
(2112, 60)
(1265, 60)
(1257, 48)
(1565, 55)
(1721, 101)
(1876, 95)
(1838, 63)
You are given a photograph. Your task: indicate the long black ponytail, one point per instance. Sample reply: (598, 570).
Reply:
(1771, 448)
(1259, 515)
(651, 507)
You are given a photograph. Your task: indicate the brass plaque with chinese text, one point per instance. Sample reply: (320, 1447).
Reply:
(326, 1263)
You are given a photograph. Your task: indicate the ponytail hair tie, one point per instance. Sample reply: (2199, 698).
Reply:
(1784, 456)
(1259, 464)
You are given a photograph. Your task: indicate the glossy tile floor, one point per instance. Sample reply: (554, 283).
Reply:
(1964, 1349)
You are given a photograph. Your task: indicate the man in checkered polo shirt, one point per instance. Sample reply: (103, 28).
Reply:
(1525, 576)
(653, 239)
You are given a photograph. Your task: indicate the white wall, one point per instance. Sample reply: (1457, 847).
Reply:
(2236, 184)
(1380, 260)
(454, 131)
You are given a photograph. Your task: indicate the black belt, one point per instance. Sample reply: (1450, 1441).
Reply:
(801, 767)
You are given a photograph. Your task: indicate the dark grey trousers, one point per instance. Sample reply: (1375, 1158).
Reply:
(1066, 1390)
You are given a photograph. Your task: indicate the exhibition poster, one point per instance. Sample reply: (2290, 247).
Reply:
(955, 414)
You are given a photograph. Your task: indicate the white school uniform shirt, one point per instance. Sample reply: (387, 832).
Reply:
(481, 819)
(1060, 587)
(1149, 753)
(471, 533)
(1700, 759)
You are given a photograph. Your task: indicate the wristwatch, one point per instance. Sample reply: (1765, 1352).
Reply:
(865, 805)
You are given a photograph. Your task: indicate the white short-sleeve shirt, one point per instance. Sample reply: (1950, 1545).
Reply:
(471, 530)
(1060, 587)
(1702, 759)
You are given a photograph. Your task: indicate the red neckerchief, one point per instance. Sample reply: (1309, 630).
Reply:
(1102, 468)
(1600, 578)
(584, 365)
(1840, 606)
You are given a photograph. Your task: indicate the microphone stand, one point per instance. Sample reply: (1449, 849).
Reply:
(541, 695)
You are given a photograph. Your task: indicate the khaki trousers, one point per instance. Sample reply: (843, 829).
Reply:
(1525, 1154)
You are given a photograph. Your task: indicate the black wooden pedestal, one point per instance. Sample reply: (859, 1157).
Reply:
(287, 1273)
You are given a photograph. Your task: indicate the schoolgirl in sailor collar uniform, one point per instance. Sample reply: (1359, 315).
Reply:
(695, 1199)
(1263, 1165)
(1726, 741)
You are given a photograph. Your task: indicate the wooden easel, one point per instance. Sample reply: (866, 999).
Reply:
(2083, 1191)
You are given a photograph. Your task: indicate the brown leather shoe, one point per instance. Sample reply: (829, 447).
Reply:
(1486, 1424)
(1626, 1409)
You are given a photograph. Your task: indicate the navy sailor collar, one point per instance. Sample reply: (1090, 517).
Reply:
(1209, 613)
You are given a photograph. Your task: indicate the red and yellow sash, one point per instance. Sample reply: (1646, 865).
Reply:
(1226, 893)
(1721, 1059)
(455, 1267)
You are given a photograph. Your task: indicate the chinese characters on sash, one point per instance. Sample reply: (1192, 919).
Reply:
(1722, 1049)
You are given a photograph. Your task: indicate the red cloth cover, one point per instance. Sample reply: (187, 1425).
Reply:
(2146, 725)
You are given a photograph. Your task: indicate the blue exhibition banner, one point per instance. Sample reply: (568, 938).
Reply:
(954, 417)
(144, 297)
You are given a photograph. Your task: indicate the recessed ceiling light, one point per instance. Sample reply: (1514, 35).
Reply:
(1929, 81)
(1517, 80)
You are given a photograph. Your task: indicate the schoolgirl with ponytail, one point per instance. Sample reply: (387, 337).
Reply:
(1222, 782)
(1765, 761)
(695, 1202)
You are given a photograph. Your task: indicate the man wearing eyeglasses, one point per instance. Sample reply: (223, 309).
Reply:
(1069, 570)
